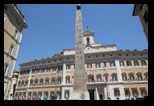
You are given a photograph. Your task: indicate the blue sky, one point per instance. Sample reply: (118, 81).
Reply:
(51, 28)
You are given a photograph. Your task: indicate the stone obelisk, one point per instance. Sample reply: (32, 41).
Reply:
(80, 86)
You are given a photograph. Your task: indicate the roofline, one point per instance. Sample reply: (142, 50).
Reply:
(17, 11)
(133, 14)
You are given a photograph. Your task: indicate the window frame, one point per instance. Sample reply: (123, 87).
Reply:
(11, 50)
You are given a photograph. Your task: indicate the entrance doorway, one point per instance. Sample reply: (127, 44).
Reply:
(91, 94)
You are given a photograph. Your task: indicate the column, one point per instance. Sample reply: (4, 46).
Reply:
(105, 93)
(97, 96)
(64, 73)
(119, 77)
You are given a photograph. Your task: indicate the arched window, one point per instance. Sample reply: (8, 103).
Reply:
(41, 81)
(59, 79)
(136, 63)
(36, 82)
(131, 76)
(146, 76)
(143, 63)
(114, 76)
(106, 76)
(99, 77)
(143, 91)
(22, 82)
(124, 77)
(67, 79)
(139, 76)
(31, 82)
(53, 81)
(26, 82)
(47, 81)
(88, 41)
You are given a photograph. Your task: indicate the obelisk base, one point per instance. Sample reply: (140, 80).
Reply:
(79, 95)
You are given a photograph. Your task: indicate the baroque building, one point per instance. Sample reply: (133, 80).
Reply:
(14, 24)
(111, 73)
(141, 10)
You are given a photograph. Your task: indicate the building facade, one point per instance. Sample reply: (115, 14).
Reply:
(111, 73)
(14, 24)
(141, 10)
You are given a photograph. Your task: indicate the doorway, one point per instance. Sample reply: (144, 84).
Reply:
(91, 94)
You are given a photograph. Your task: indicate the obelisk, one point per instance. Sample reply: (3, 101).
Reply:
(80, 86)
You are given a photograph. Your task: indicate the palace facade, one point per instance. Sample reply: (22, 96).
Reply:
(111, 74)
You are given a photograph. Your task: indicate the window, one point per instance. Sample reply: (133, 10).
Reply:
(97, 64)
(127, 92)
(15, 35)
(146, 76)
(143, 91)
(112, 63)
(46, 93)
(131, 77)
(40, 94)
(143, 63)
(6, 69)
(60, 67)
(33, 71)
(67, 79)
(6, 9)
(59, 94)
(37, 70)
(26, 83)
(36, 82)
(22, 82)
(11, 49)
(106, 76)
(114, 77)
(19, 83)
(88, 41)
(66, 93)
(41, 81)
(47, 81)
(34, 95)
(136, 63)
(121, 63)
(124, 77)
(59, 80)
(54, 68)
(105, 64)
(116, 92)
(48, 69)
(31, 82)
(67, 66)
(53, 81)
(90, 78)
(18, 24)
(139, 76)
(52, 94)
(99, 77)
(134, 92)
(43, 70)
(145, 17)
(29, 95)
(89, 65)
(129, 63)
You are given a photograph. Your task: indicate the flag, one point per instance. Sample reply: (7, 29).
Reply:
(43, 97)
